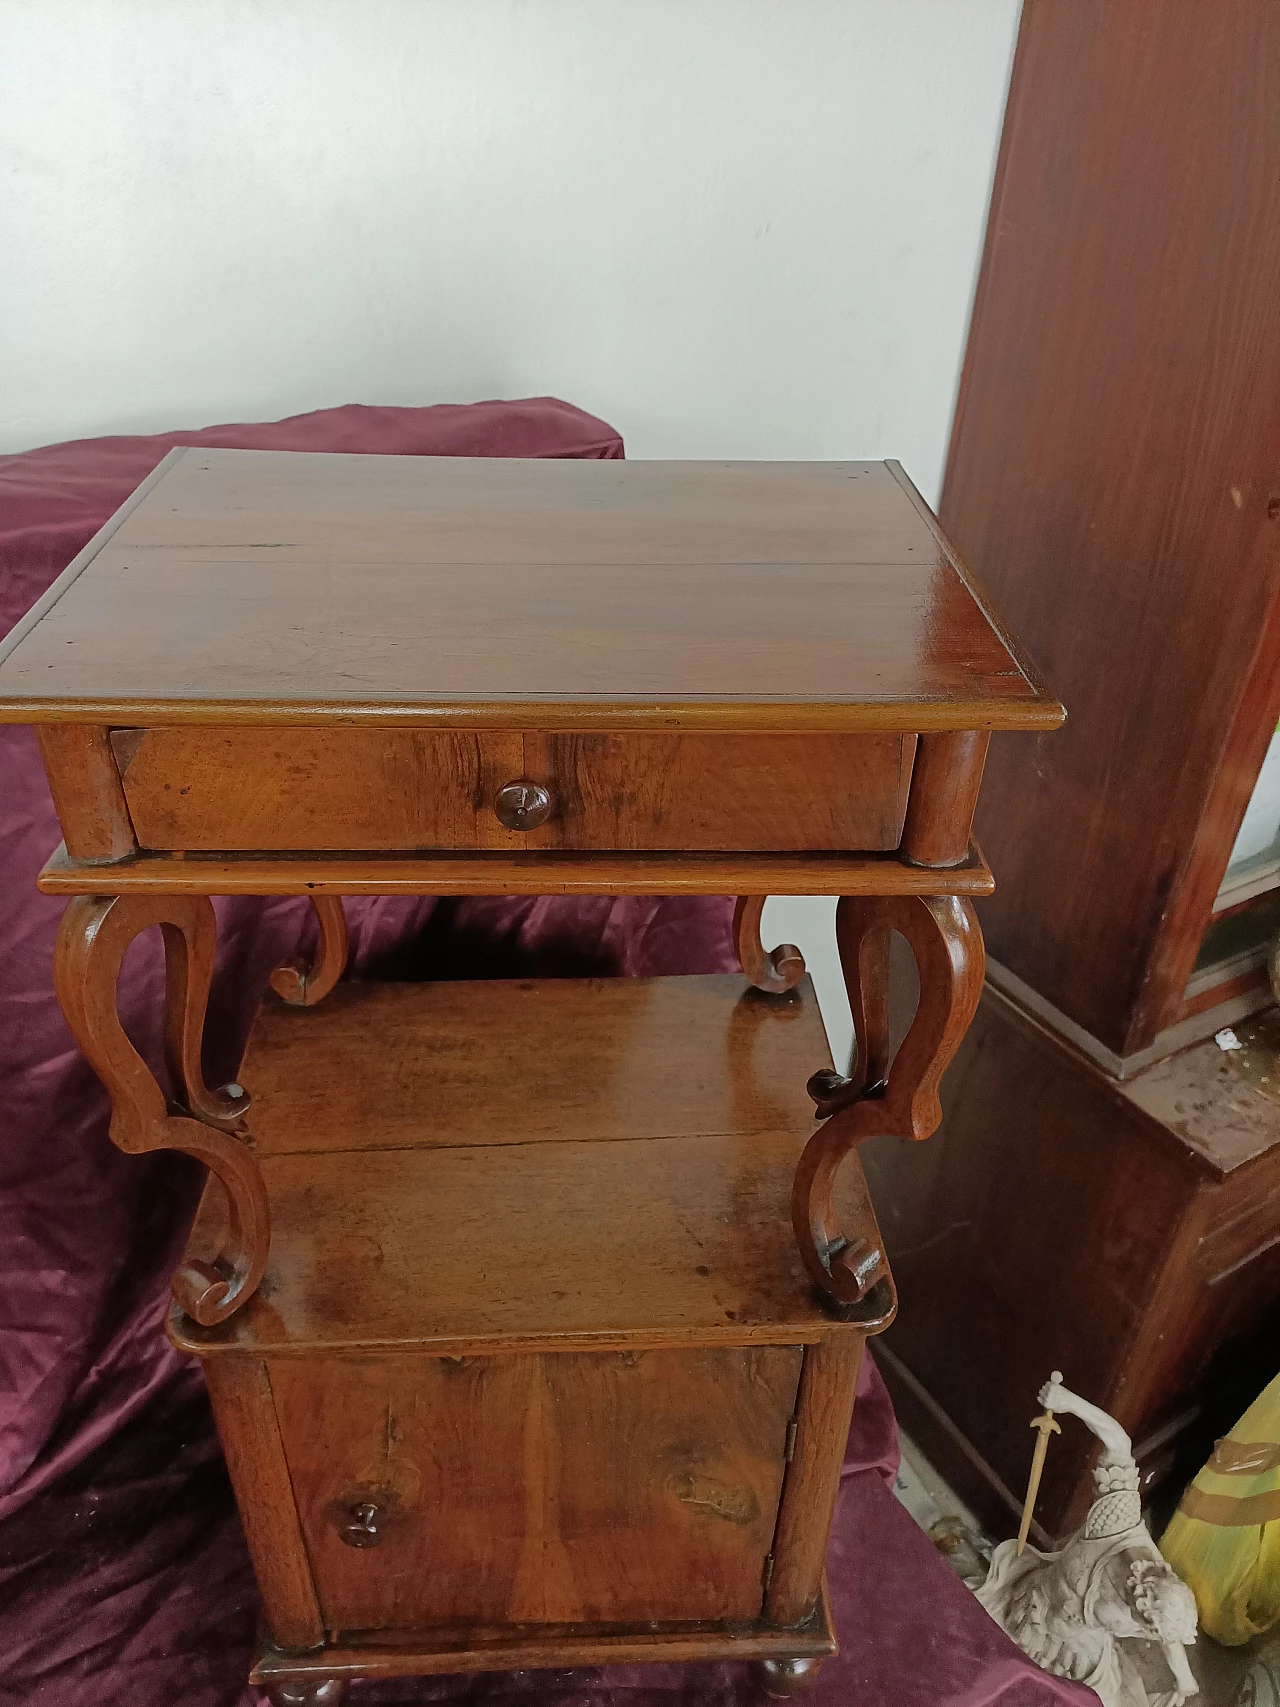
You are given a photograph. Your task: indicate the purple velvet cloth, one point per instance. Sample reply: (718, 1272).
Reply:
(123, 1573)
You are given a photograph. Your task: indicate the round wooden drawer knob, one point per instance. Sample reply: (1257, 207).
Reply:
(522, 805)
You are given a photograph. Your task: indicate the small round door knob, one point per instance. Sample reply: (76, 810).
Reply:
(522, 805)
(362, 1526)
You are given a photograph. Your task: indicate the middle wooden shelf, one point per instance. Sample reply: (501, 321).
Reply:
(589, 1163)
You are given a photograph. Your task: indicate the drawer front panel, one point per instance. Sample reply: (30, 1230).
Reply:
(783, 793)
(294, 790)
(549, 1488)
(386, 790)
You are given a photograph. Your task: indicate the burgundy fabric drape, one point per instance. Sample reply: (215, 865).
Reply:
(123, 1573)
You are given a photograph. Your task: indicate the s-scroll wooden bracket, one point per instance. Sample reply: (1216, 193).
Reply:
(207, 1124)
(884, 1097)
(773, 970)
(303, 983)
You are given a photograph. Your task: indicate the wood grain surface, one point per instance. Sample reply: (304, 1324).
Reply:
(485, 1063)
(655, 1232)
(637, 1242)
(85, 784)
(274, 587)
(694, 793)
(1115, 472)
(944, 793)
(239, 789)
(824, 1411)
(248, 1427)
(558, 1488)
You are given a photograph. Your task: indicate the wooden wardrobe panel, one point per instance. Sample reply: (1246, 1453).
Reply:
(1114, 475)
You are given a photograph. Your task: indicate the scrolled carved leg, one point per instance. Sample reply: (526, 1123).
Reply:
(207, 1124)
(784, 1678)
(325, 1692)
(303, 983)
(884, 1098)
(775, 970)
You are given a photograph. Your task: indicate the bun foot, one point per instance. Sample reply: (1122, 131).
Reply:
(781, 1678)
(323, 1692)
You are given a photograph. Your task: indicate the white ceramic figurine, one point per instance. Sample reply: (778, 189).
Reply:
(1066, 1609)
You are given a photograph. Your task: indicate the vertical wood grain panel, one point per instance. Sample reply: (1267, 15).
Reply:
(540, 1488)
(244, 1411)
(824, 1410)
(1114, 475)
(85, 785)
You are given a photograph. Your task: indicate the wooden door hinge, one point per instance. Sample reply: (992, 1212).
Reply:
(768, 1571)
(789, 1451)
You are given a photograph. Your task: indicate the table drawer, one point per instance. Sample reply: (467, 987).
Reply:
(370, 790)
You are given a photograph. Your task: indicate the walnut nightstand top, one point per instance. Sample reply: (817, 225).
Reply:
(278, 587)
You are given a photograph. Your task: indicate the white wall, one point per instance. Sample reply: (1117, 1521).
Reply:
(731, 227)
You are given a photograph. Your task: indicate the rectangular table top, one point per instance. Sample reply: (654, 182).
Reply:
(276, 587)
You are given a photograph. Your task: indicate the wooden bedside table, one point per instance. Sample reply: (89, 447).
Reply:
(531, 1311)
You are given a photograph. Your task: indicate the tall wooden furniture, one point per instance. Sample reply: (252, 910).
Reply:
(513, 1352)
(1106, 1197)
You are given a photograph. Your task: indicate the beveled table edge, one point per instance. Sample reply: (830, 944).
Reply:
(483, 873)
(638, 714)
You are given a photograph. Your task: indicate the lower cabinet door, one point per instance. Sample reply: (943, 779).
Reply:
(538, 1488)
